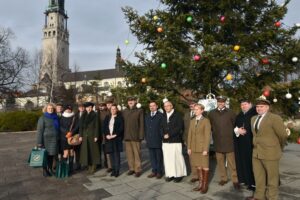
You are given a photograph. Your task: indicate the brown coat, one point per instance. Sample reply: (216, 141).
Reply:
(199, 135)
(186, 119)
(222, 123)
(270, 139)
(133, 124)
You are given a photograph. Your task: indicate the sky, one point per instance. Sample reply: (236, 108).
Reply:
(96, 27)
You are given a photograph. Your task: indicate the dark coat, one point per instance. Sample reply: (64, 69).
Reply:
(243, 148)
(47, 135)
(174, 128)
(133, 124)
(88, 130)
(222, 123)
(115, 144)
(65, 127)
(154, 130)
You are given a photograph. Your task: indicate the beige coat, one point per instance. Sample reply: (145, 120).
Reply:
(199, 135)
(270, 139)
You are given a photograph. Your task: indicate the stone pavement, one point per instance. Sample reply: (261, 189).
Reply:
(19, 181)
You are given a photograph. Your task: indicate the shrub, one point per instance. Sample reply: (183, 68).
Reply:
(19, 120)
(293, 137)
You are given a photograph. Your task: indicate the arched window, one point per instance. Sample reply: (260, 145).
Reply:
(49, 33)
(54, 33)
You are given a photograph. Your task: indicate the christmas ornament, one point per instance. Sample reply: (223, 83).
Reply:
(138, 105)
(265, 61)
(228, 77)
(236, 47)
(155, 17)
(275, 100)
(126, 42)
(295, 59)
(298, 140)
(277, 24)
(109, 94)
(160, 29)
(165, 100)
(297, 25)
(163, 65)
(222, 19)
(266, 93)
(189, 19)
(197, 57)
(288, 95)
(144, 80)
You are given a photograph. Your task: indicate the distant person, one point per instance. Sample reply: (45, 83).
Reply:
(133, 135)
(78, 115)
(222, 122)
(89, 135)
(114, 133)
(154, 137)
(269, 139)
(175, 168)
(198, 146)
(243, 144)
(47, 135)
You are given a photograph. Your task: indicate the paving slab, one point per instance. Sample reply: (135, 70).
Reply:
(119, 189)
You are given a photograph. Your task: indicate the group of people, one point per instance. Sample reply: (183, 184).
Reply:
(249, 143)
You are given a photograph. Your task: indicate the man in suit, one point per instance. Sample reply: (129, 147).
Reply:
(175, 167)
(133, 135)
(269, 137)
(188, 116)
(222, 121)
(154, 136)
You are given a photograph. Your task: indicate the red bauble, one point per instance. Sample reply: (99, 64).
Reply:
(265, 61)
(222, 18)
(266, 93)
(298, 140)
(197, 57)
(277, 24)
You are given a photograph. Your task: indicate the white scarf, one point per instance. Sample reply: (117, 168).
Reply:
(67, 115)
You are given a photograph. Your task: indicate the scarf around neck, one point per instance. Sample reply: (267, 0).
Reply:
(54, 117)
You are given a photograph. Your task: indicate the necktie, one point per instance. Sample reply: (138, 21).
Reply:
(197, 121)
(256, 124)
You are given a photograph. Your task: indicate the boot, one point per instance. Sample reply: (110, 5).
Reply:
(71, 160)
(205, 175)
(199, 187)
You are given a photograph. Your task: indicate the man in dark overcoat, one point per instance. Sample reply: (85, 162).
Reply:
(222, 122)
(269, 139)
(243, 143)
(154, 136)
(89, 135)
(133, 135)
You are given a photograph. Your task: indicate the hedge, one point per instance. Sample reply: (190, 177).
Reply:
(19, 121)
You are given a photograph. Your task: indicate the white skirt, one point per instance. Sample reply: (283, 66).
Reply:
(173, 160)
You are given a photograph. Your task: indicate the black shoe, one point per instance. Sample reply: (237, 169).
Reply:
(177, 179)
(168, 179)
(251, 188)
(113, 173)
(129, 173)
(116, 173)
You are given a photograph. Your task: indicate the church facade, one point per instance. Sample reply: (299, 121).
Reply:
(55, 71)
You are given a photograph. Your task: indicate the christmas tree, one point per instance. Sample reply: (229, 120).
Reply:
(234, 48)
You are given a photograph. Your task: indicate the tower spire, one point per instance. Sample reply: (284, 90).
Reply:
(118, 59)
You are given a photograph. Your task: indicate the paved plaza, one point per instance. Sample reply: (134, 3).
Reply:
(19, 181)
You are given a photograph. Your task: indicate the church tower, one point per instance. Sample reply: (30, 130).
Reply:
(55, 43)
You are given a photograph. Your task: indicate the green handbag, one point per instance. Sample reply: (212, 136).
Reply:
(38, 157)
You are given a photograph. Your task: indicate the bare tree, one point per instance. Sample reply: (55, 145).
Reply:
(12, 63)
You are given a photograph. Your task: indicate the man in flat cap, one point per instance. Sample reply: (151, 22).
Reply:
(222, 122)
(269, 137)
(133, 135)
(243, 143)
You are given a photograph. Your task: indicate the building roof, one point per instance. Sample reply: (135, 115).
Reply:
(93, 75)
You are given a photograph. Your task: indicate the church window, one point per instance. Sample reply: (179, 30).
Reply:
(49, 33)
(54, 33)
(45, 34)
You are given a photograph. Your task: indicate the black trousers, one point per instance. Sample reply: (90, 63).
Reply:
(115, 160)
(156, 159)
